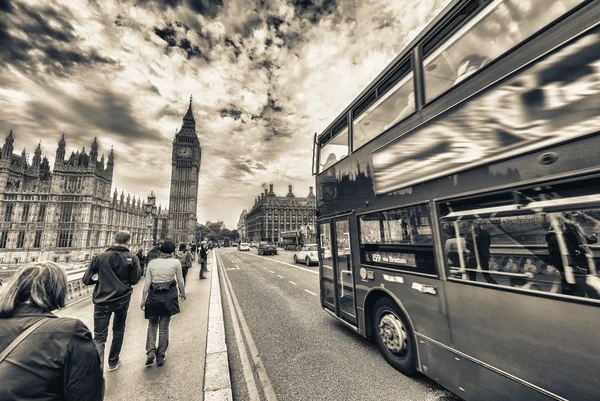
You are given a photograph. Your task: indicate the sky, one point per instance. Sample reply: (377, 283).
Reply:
(265, 75)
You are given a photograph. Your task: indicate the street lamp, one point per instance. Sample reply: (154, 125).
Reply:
(150, 209)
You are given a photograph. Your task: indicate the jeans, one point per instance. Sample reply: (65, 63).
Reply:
(102, 314)
(162, 324)
(184, 272)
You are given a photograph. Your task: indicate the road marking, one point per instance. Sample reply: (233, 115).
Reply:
(291, 282)
(279, 276)
(260, 368)
(271, 271)
(284, 263)
(310, 292)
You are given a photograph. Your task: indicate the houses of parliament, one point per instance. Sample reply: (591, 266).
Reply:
(70, 213)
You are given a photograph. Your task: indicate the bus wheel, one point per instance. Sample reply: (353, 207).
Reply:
(394, 336)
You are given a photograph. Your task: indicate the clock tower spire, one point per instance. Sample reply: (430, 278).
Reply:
(185, 173)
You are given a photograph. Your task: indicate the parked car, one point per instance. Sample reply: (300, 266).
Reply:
(267, 249)
(253, 245)
(244, 246)
(308, 254)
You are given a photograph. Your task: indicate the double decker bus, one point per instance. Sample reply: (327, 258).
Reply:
(226, 242)
(458, 203)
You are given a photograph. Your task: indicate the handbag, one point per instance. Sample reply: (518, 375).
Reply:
(21, 337)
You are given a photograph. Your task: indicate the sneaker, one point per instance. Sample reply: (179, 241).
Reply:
(150, 359)
(161, 361)
(113, 368)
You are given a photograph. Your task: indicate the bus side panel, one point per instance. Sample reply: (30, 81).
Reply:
(425, 311)
(551, 343)
(471, 380)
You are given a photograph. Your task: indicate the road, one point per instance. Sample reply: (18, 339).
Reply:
(293, 346)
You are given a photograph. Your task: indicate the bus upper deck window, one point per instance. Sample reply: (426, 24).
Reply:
(496, 29)
(334, 150)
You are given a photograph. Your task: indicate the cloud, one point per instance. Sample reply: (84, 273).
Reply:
(265, 76)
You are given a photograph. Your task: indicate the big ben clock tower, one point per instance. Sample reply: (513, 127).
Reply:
(185, 172)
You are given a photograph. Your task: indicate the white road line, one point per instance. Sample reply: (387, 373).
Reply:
(279, 276)
(284, 263)
(260, 368)
(291, 282)
(246, 365)
(310, 292)
(271, 271)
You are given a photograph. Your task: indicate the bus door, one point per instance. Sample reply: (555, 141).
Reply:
(337, 274)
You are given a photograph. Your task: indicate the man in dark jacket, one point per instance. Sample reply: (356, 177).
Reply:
(202, 255)
(114, 272)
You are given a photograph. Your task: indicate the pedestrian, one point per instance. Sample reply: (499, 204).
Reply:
(114, 273)
(164, 277)
(202, 260)
(185, 258)
(153, 254)
(42, 356)
(141, 259)
(193, 250)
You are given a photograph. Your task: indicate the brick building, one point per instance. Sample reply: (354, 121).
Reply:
(271, 214)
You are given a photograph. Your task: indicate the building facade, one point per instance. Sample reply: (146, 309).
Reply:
(67, 214)
(271, 215)
(241, 225)
(185, 173)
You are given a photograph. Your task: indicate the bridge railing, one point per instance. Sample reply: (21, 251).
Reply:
(76, 290)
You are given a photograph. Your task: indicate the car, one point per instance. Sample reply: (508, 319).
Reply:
(265, 248)
(244, 246)
(308, 254)
(234, 244)
(253, 245)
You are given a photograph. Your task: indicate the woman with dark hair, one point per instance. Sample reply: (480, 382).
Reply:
(159, 301)
(142, 259)
(44, 357)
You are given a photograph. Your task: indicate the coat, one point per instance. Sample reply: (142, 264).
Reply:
(58, 361)
(118, 270)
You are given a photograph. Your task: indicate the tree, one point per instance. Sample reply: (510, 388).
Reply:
(225, 233)
(235, 236)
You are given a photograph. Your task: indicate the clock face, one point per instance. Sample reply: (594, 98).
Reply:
(184, 152)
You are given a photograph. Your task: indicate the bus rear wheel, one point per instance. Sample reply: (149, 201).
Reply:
(394, 336)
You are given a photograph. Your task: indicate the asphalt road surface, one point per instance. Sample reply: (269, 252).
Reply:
(283, 346)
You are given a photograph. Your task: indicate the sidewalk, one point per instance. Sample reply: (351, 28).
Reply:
(182, 376)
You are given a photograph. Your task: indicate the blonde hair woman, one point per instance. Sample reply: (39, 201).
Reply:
(43, 356)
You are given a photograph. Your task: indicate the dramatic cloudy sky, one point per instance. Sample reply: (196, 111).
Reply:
(265, 75)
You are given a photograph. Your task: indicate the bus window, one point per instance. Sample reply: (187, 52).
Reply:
(498, 28)
(391, 108)
(550, 252)
(334, 150)
(399, 238)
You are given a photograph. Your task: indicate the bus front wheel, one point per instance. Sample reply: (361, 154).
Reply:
(394, 336)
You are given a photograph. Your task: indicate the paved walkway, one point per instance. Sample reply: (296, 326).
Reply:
(181, 377)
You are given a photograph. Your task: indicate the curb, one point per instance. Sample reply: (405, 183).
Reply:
(217, 380)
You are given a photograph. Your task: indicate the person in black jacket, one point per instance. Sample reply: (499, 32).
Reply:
(57, 361)
(114, 272)
(202, 255)
(141, 259)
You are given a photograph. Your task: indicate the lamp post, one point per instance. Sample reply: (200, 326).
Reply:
(150, 209)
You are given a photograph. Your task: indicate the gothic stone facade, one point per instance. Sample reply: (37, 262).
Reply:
(185, 173)
(64, 215)
(272, 215)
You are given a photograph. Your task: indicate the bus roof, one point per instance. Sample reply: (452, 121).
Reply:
(432, 27)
